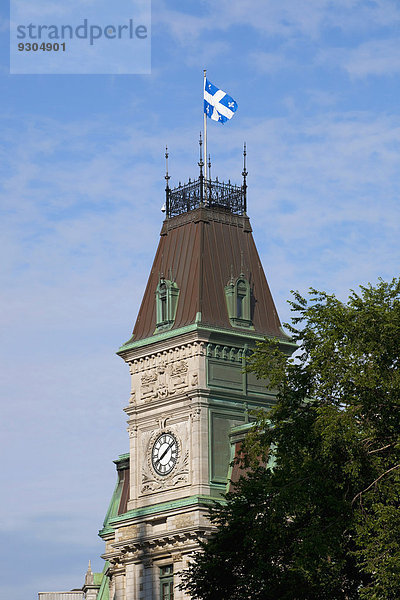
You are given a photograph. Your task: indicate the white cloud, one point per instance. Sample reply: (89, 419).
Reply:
(380, 57)
(288, 33)
(377, 57)
(322, 98)
(268, 62)
(287, 18)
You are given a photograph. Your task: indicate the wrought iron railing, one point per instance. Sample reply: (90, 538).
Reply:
(199, 192)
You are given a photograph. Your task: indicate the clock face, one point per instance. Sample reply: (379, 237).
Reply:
(164, 453)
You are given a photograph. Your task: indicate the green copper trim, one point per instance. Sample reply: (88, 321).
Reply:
(122, 462)
(241, 428)
(157, 508)
(103, 593)
(130, 345)
(122, 457)
(158, 337)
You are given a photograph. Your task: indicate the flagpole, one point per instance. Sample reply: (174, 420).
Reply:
(205, 141)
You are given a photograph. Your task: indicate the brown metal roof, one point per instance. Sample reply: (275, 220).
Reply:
(200, 250)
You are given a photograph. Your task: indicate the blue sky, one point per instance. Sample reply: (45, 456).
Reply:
(81, 187)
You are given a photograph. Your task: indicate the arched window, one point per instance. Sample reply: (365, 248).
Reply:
(167, 293)
(238, 302)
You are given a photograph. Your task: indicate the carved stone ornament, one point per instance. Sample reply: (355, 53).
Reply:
(149, 381)
(179, 368)
(162, 391)
(177, 557)
(195, 414)
(163, 379)
(132, 431)
(178, 376)
(183, 521)
(162, 422)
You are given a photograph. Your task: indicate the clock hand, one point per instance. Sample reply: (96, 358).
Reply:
(165, 452)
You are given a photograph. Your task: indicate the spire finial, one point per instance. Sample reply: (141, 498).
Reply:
(167, 190)
(201, 165)
(167, 177)
(244, 173)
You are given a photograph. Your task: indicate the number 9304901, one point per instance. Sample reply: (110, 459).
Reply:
(44, 47)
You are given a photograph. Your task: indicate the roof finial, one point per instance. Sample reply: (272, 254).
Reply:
(167, 177)
(209, 167)
(201, 162)
(244, 173)
(167, 189)
(201, 165)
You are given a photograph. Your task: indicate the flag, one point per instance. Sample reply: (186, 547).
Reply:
(217, 104)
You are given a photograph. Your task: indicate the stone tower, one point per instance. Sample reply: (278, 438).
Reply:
(206, 304)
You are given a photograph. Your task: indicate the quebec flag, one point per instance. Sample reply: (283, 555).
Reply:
(217, 104)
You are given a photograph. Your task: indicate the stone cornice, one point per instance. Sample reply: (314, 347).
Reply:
(139, 549)
(202, 332)
(137, 514)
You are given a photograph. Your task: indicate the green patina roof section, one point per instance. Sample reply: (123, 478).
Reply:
(103, 580)
(245, 335)
(156, 338)
(240, 428)
(122, 457)
(156, 508)
(116, 497)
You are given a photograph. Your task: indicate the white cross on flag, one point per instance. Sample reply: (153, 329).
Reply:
(217, 104)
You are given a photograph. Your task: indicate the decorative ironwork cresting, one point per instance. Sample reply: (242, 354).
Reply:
(205, 191)
(217, 194)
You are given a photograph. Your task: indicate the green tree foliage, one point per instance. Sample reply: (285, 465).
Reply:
(324, 521)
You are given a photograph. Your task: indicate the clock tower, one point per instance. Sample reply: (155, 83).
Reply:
(206, 304)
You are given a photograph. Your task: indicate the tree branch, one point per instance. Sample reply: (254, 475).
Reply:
(379, 449)
(373, 483)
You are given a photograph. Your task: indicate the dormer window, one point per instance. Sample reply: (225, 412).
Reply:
(238, 302)
(167, 293)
